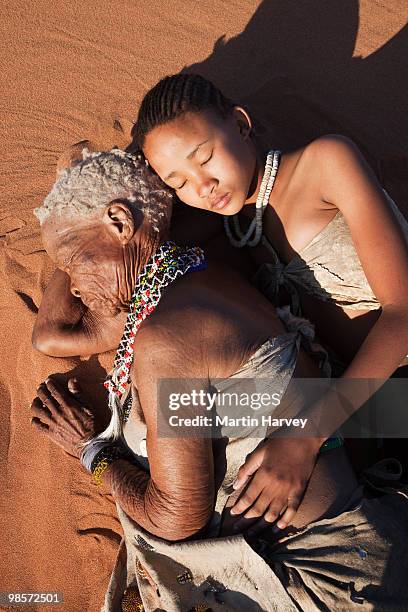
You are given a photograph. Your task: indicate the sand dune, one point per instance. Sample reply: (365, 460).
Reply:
(73, 71)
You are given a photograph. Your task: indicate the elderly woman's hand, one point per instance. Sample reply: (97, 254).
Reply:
(62, 415)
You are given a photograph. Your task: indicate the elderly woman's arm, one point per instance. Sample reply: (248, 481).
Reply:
(176, 500)
(65, 326)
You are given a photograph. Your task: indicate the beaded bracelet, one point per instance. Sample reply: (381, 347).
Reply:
(104, 458)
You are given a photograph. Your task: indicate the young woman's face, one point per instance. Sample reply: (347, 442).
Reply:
(208, 160)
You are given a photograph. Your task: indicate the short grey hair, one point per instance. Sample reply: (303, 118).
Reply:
(101, 177)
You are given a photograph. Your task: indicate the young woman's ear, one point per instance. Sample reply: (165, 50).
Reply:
(243, 120)
(120, 221)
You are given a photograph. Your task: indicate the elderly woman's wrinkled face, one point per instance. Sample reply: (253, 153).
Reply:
(97, 263)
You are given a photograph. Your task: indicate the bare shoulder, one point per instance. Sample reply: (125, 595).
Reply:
(163, 352)
(334, 153)
(343, 171)
(333, 149)
(167, 346)
(322, 158)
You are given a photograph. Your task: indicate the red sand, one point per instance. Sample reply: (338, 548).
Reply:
(75, 70)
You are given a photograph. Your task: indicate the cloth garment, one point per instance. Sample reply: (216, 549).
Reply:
(356, 559)
(328, 268)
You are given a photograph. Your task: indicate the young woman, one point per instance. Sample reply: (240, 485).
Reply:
(328, 238)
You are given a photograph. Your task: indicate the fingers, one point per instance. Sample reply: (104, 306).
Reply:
(61, 395)
(75, 388)
(247, 498)
(289, 514)
(60, 415)
(261, 500)
(262, 515)
(37, 424)
(275, 510)
(259, 507)
(252, 463)
(55, 402)
(47, 398)
(52, 434)
(41, 410)
(269, 509)
(270, 520)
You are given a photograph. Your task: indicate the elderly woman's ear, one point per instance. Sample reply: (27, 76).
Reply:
(121, 221)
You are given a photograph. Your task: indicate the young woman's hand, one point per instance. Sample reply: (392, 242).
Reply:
(278, 472)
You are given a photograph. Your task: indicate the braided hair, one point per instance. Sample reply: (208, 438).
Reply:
(172, 97)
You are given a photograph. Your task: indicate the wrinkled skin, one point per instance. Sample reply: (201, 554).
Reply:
(100, 253)
(198, 332)
(62, 414)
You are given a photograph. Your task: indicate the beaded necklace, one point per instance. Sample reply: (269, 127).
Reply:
(268, 180)
(169, 262)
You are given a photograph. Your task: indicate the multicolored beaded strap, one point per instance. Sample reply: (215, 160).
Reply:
(104, 458)
(169, 262)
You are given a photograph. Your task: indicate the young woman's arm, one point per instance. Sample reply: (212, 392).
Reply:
(66, 327)
(348, 182)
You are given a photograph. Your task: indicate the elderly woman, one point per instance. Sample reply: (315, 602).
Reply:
(105, 225)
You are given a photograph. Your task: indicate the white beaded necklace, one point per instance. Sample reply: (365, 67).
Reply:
(268, 180)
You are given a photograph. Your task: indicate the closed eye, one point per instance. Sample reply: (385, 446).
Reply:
(181, 186)
(207, 160)
(202, 164)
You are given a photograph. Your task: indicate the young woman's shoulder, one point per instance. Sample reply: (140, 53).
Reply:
(328, 157)
(332, 147)
(341, 167)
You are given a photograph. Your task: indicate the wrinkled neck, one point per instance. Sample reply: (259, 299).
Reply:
(136, 256)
